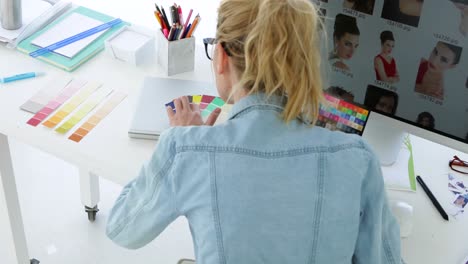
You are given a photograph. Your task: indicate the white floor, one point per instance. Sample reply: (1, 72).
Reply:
(56, 226)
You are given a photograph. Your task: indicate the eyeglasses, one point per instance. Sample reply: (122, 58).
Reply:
(458, 165)
(212, 42)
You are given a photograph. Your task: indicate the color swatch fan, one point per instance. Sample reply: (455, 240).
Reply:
(207, 104)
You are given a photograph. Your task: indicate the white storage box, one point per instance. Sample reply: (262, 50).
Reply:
(135, 45)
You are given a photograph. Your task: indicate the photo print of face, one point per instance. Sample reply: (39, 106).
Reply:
(430, 77)
(345, 40)
(381, 100)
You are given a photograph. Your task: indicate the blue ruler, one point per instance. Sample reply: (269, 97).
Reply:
(75, 38)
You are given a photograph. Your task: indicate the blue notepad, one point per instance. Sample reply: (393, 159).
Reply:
(86, 53)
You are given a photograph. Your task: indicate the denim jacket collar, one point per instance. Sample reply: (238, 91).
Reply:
(258, 99)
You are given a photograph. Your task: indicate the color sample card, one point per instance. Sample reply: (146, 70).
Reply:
(52, 105)
(202, 100)
(47, 93)
(206, 103)
(69, 107)
(90, 104)
(215, 103)
(224, 115)
(338, 114)
(91, 123)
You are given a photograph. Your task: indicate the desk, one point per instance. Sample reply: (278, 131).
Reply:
(108, 152)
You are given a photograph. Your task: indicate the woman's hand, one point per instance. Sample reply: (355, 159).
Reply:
(189, 114)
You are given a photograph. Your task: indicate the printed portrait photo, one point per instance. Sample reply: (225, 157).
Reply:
(384, 63)
(403, 11)
(364, 6)
(345, 41)
(340, 93)
(430, 78)
(426, 120)
(462, 6)
(381, 100)
(461, 201)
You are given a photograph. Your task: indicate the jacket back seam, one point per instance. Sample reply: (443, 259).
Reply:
(318, 209)
(215, 209)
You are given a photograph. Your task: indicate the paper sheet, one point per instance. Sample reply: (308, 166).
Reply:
(70, 26)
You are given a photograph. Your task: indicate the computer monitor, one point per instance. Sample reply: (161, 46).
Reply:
(406, 61)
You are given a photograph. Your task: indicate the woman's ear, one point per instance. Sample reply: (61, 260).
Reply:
(221, 62)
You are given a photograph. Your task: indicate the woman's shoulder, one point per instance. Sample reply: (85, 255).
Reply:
(337, 140)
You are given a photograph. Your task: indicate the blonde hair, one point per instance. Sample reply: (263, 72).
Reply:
(275, 47)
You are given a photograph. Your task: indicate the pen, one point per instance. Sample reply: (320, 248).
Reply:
(157, 8)
(171, 34)
(165, 17)
(181, 17)
(173, 15)
(186, 31)
(432, 198)
(21, 77)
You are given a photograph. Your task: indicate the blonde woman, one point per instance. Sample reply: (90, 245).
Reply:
(265, 186)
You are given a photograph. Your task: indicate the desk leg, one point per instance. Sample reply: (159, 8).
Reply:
(89, 188)
(13, 247)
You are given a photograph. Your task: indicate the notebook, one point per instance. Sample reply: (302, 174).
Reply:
(73, 24)
(89, 51)
(150, 116)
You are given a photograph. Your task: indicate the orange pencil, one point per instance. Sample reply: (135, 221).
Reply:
(163, 24)
(194, 25)
(157, 18)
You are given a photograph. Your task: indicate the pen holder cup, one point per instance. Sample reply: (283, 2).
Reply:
(176, 56)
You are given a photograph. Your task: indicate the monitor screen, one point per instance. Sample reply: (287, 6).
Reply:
(395, 58)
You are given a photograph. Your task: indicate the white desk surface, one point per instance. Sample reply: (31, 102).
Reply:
(111, 154)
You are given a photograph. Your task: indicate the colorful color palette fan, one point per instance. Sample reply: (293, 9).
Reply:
(207, 103)
(337, 114)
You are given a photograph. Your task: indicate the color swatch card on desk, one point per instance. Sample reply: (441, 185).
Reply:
(71, 105)
(98, 116)
(71, 88)
(84, 110)
(45, 95)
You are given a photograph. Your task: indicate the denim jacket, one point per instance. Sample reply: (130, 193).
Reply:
(257, 190)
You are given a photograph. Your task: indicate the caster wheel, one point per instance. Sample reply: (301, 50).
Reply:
(34, 261)
(92, 211)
